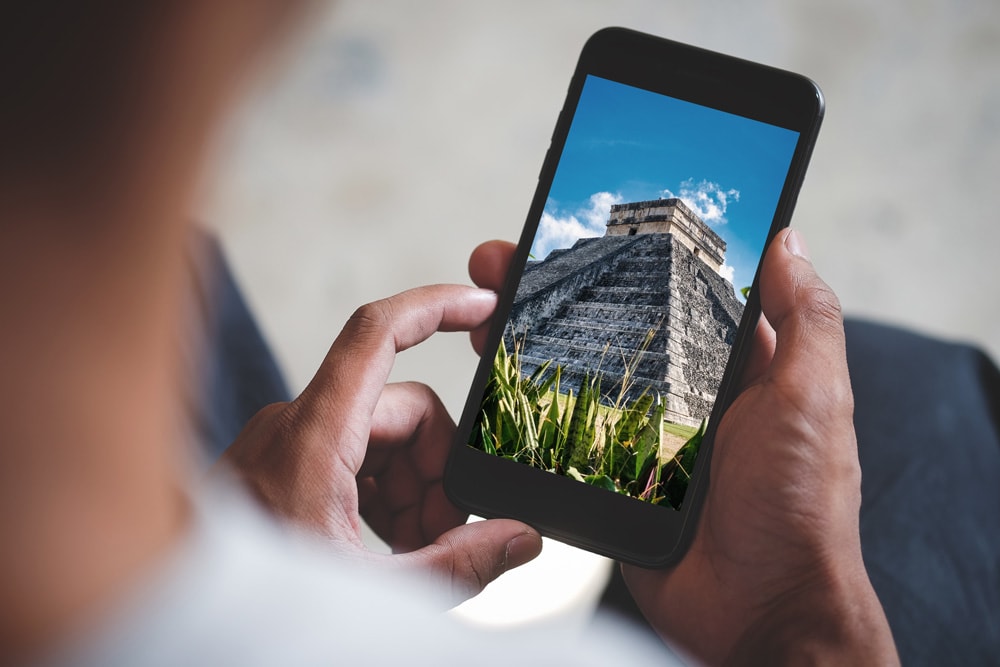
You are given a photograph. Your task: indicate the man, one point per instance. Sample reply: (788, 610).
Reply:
(113, 551)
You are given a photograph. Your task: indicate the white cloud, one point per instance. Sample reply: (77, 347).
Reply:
(563, 230)
(708, 200)
(728, 272)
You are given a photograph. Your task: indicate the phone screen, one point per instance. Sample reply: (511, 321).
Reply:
(629, 303)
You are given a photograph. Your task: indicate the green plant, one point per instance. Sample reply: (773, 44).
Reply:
(616, 445)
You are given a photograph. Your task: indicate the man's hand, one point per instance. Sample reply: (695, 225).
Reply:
(775, 570)
(351, 446)
(774, 574)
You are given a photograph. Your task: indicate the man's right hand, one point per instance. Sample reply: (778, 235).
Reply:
(774, 574)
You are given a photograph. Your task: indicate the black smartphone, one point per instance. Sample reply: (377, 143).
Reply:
(628, 309)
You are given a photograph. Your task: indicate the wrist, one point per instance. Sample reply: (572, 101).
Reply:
(835, 618)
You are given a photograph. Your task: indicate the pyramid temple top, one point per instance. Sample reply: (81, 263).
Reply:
(669, 216)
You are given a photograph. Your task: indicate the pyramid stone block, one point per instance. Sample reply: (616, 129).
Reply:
(647, 296)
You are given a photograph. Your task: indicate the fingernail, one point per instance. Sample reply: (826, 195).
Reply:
(796, 244)
(522, 549)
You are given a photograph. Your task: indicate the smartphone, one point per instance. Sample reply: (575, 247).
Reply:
(631, 299)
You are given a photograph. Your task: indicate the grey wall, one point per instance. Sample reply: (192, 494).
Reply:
(392, 137)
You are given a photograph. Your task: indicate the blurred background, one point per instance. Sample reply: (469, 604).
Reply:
(391, 137)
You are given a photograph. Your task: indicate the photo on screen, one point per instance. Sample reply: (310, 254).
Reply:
(628, 307)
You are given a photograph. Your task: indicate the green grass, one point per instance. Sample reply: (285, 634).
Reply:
(571, 431)
(682, 430)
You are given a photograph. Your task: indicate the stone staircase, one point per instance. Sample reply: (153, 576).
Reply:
(644, 306)
(606, 326)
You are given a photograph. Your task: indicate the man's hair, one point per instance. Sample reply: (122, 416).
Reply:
(67, 68)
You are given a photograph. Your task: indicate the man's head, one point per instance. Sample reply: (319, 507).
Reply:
(107, 109)
(94, 89)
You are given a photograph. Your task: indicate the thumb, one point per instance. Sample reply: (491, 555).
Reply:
(810, 358)
(803, 310)
(467, 558)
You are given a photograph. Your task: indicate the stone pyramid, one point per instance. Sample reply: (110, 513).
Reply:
(647, 296)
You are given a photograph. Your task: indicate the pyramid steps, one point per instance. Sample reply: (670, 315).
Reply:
(592, 307)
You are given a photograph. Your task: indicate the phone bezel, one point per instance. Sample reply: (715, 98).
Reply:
(570, 511)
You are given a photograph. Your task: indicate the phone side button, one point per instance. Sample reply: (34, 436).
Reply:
(545, 162)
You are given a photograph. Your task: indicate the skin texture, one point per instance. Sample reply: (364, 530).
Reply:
(352, 447)
(95, 198)
(775, 571)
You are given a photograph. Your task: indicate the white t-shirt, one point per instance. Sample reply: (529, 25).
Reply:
(243, 590)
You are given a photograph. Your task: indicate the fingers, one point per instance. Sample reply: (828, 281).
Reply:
(410, 415)
(478, 338)
(488, 267)
(469, 557)
(805, 392)
(400, 489)
(761, 353)
(803, 310)
(346, 389)
(489, 264)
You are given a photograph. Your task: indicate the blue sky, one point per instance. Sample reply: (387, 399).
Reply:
(628, 144)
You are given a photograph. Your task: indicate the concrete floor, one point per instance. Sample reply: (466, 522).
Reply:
(392, 137)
